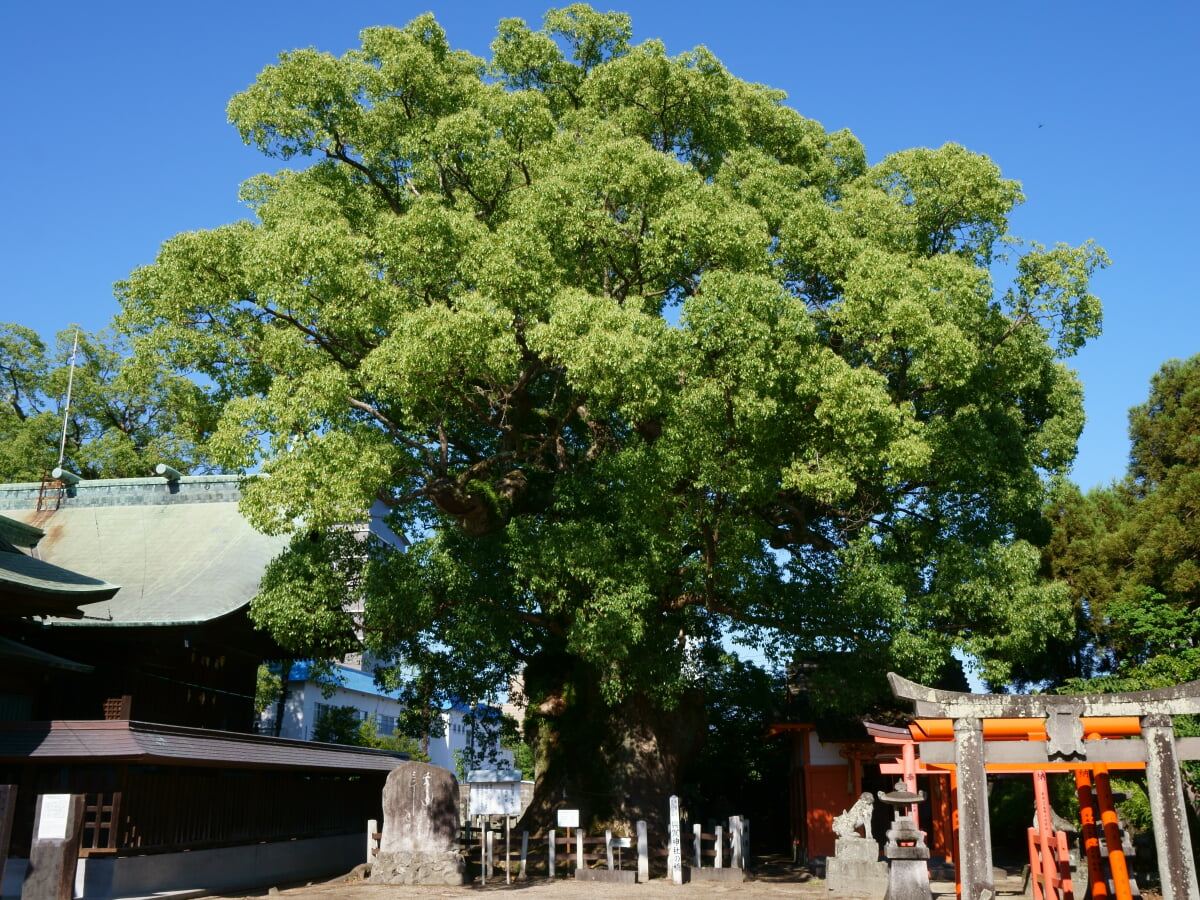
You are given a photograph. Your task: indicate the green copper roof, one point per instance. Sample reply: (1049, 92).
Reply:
(29, 575)
(18, 533)
(31, 586)
(181, 552)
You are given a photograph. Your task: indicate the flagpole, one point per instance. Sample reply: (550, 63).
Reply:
(62, 446)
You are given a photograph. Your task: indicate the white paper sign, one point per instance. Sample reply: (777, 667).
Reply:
(487, 776)
(568, 818)
(496, 799)
(52, 821)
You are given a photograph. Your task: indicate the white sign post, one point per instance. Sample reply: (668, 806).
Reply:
(495, 793)
(495, 799)
(568, 819)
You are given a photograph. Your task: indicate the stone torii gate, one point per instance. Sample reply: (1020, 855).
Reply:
(1066, 746)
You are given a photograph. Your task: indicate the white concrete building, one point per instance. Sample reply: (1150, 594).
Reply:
(307, 700)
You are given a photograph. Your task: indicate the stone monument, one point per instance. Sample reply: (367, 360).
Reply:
(420, 827)
(50, 874)
(855, 864)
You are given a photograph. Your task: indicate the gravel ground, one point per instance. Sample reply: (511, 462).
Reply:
(768, 882)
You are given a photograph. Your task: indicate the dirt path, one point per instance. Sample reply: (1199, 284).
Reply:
(768, 884)
(544, 889)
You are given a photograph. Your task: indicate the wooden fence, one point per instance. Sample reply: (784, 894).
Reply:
(498, 854)
(725, 847)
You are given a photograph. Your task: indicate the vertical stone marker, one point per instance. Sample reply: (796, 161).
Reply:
(675, 850)
(55, 851)
(420, 827)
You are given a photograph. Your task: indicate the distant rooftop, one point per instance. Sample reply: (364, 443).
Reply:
(342, 676)
(180, 550)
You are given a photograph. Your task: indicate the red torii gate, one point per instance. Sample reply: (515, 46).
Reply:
(1078, 732)
(1044, 852)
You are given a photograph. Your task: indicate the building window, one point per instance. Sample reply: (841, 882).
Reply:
(324, 709)
(339, 716)
(320, 711)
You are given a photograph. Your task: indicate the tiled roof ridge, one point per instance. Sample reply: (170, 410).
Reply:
(150, 491)
(147, 479)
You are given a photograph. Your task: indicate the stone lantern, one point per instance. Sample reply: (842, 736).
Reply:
(906, 853)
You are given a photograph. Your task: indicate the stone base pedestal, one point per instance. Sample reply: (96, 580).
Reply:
(856, 866)
(909, 879)
(414, 867)
(611, 876)
(908, 858)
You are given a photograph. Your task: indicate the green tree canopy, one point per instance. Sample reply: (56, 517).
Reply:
(1131, 552)
(125, 415)
(639, 356)
(1131, 555)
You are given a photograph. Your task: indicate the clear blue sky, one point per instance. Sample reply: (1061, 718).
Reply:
(113, 134)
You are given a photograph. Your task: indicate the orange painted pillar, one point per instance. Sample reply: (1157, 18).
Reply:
(1091, 837)
(941, 823)
(1035, 865)
(1046, 860)
(954, 833)
(1064, 866)
(1112, 835)
(909, 752)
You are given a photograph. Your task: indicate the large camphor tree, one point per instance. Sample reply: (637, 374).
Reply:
(639, 358)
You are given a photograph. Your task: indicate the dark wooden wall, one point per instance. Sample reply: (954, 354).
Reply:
(154, 809)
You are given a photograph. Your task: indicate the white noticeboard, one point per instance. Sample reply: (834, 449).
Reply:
(568, 818)
(52, 818)
(501, 798)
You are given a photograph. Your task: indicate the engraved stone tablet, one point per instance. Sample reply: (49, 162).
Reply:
(420, 825)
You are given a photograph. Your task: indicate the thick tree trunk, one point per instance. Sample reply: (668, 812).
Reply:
(615, 764)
